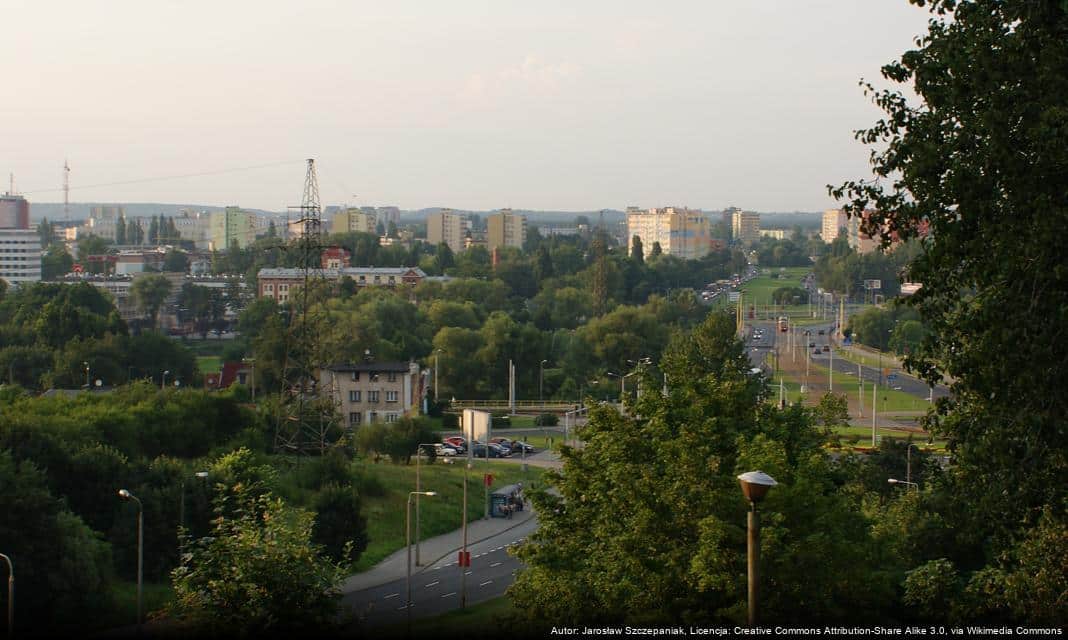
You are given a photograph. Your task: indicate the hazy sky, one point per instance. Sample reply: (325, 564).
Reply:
(567, 105)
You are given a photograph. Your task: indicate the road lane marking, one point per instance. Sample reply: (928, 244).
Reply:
(486, 582)
(392, 595)
(495, 564)
(452, 593)
(467, 573)
(431, 584)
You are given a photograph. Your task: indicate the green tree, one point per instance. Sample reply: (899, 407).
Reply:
(656, 251)
(979, 165)
(259, 572)
(45, 232)
(176, 261)
(637, 254)
(340, 526)
(56, 262)
(120, 230)
(149, 293)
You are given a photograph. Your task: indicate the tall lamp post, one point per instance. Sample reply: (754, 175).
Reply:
(127, 496)
(408, 543)
(163, 380)
(755, 485)
(418, 492)
(10, 596)
(436, 352)
(86, 365)
(541, 379)
(904, 482)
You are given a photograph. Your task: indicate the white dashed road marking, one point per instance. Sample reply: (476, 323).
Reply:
(449, 594)
(392, 595)
(431, 584)
(486, 582)
(495, 564)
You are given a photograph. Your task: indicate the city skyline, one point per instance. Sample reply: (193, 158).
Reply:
(470, 106)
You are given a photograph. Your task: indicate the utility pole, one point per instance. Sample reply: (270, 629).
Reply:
(66, 191)
(874, 399)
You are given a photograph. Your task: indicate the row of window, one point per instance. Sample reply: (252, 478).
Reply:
(372, 396)
(356, 418)
(391, 376)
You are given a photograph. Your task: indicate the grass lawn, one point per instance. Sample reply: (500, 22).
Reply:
(209, 364)
(872, 359)
(384, 506)
(123, 609)
(889, 399)
(209, 347)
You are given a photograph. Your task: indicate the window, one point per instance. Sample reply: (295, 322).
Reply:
(355, 418)
(355, 376)
(391, 396)
(372, 396)
(241, 378)
(354, 396)
(373, 417)
(392, 377)
(391, 417)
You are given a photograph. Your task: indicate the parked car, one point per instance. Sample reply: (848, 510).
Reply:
(479, 450)
(822, 332)
(520, 446)
(505, 443)
(445, 450)
(811, 345)
(456, 442)
(826, 348)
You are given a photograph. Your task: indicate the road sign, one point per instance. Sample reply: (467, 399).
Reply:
(847, 341)
(891, 378)
(733, 296)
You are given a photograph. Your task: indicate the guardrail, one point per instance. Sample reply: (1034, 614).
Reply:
(519, 404)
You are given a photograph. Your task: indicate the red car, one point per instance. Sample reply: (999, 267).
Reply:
(457, 442)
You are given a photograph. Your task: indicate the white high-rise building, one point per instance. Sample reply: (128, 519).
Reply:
(680, 231)
(834, 220)
(745, 226)
(20, 256)
(449, 227)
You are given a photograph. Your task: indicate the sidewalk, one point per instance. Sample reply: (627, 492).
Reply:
(432, 550)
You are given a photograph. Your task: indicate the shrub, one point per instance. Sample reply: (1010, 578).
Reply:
(547, 420)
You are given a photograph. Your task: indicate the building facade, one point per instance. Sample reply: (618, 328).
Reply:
(14, 212)
(680, 231)
(775, 234)
(505, 229)
(20, 256)
(232, 225)
(834, 221)
(281, 283)
(745, 226)
(449, 227)
(374, 391)
(353, 219)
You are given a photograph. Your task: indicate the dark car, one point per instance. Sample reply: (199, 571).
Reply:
(816, 351)
(826, 348)
(479, 450)
(520, 446)
(504, 443)
(822, 332)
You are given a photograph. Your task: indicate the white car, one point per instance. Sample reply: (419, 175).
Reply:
(443, 451)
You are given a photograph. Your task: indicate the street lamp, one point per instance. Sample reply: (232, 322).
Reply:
(418, 489)
(203, 475)
(755, 485)
(904, 482)
(436, 352)
(127, 496)
(86, 365)
(541, 379)
(10, 596)
(408, 544)
(908, 461)
(163, 381)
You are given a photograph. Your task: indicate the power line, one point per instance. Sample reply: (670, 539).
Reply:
(174, 177)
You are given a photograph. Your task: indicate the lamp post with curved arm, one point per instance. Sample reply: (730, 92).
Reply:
(127, 496)
(10, 596)
(418, 492)
(408, 544)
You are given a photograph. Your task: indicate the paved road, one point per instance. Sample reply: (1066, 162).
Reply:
(436, 589)
(763, 348)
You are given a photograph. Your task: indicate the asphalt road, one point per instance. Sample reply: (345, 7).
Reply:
(759, 347)
(437, 589)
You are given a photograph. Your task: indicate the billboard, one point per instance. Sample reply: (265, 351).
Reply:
(873, 284)
(476, 426)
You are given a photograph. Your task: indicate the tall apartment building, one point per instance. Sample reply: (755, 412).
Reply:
(682, 232)
(232, 225)
(195, 227)
(449, 227)
(505, 229)
(745, 226)
(14, 212)
(374, 391)
(20, 246)
(106, 212)
(834, 220)
(353, 219)
(389, 214)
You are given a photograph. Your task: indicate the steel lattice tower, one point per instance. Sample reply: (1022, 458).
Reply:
(305, 417)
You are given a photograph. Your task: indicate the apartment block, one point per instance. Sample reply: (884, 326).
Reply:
(353, 219)
(20, 256)
(745, 226)
(374, 391)
(680, 231)
(505, 229)
(449, 227)
(834, 221)
(232, 225)
(14, 212)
